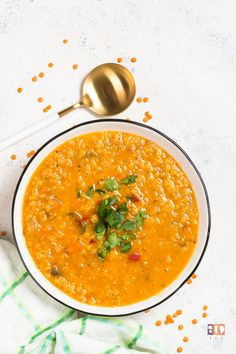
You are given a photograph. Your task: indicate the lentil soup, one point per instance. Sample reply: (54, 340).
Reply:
(110, 218)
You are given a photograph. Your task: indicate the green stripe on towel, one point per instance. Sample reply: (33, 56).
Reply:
(50, 338)
(65, 345)
(112, 350)
(83, 325)
(54, 324)
(136, 338)
(14, 285)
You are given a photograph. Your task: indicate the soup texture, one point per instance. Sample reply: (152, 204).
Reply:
(110, 218)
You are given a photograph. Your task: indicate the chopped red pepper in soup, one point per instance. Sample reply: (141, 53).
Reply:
(110, 218)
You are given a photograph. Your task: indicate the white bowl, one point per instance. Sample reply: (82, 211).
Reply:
(148, 133)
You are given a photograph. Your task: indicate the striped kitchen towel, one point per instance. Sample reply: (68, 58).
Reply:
(32, 322)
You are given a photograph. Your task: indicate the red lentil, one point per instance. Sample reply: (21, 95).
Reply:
(158, 323)
(194, 321)
(30, 153)
(189, 281)
(139, 99)
(194, 276)
(119, 60)
(41, 74)
(145, 99)
(50, 65)
(13, 157)
(133, 60)
(40, 99)
(65, 41)
(75, 66)
(204, 315)
(185, 339)
(34, 78)
(179, 350)
(180, 327)
(20, 89)
(205, 307)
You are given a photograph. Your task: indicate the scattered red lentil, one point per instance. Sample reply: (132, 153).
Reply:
(45, 109)
(174, 315)
(158, 323)
(75, 66)
(204, 315)
(133, 60)
(34, 78)
(65, 41)
(179, 350)
(30, 153)
(20, 89)
(180, 327)
(41, 74)
(149, 116)
(147, 113)
(205, 307)
(145, 99)
(179, 312)
(139, 99)
(49, 107)
(189, 281)
(185, 339)
(3, 233)
(194, 321)
(40, 99)
(50, 65)
(119, 60)
(145, 119)
(13, 157)
(194, 276)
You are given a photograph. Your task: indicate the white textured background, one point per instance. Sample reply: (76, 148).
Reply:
(186, 53)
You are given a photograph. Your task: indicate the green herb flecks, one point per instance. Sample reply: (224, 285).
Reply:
(91, 190)
(125, 246)
(129, 180)
(111, 184)
(100, 191)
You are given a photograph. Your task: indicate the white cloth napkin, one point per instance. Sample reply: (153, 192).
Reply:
(32, 322)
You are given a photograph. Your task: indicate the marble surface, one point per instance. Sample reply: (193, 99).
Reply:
(186, 65)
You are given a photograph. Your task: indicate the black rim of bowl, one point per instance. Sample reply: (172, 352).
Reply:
(145, 127)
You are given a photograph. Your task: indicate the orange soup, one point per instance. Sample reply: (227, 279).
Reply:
(110, 218)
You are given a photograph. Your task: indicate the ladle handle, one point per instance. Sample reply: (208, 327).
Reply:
(24, 133)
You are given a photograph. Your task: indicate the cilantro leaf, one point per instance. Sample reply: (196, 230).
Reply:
(112, 240)
(90, 191)
(128, 225)
(100, 230)
(100, 191)
(128, 237)
(113, 218)
(129, 180)
(123, 209)
(125, 247)
(140, 217)
(113, 200)
(111, 184)
(102, 208)
(102, 253)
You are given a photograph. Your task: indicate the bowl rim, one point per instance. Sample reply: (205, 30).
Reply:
(126, 122)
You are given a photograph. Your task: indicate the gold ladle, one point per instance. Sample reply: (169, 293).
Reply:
(107, 90)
